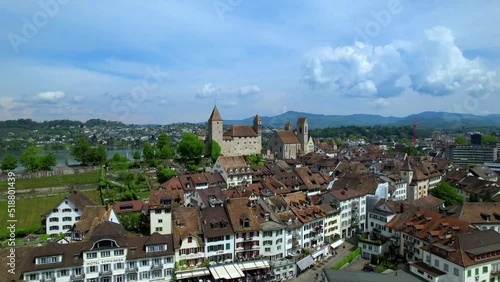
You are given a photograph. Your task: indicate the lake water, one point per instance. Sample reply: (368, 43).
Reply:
(64, 156)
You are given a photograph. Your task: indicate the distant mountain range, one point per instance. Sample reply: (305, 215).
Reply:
(429, 120)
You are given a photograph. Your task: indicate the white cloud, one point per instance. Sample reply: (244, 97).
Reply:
(50, 96)
(442, 68)
(249, 90)
(436, 66)
(78, 98)
(208, 91)
(380, 102)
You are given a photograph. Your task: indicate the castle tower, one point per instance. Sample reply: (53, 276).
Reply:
(303, 134)
(257, 125)
(215, 127)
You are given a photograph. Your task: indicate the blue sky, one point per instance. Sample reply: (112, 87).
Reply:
(164, 61)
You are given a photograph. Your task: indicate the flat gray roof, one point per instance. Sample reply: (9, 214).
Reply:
(352, 276)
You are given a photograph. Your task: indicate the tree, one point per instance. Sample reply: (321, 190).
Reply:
(9, 162)
(190, 148)
(100, 156)
(46, 162)
(32, 161)
(448, 193)
(214, 150)
(164, 146)
(488, 138)
(461, 140)
(29, 158)
(165, 174)
(117, 158)
(137, 156)
(148, 152)
(82, 151)
(255, 159)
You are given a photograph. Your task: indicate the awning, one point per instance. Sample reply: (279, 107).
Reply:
(192, 273)
(318, 253)
(251, 265)
(337, 243)
(227, 271)
(305, 262)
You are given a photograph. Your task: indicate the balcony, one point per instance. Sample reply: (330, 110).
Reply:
(53, 279)
(131, 269)
(295, 235)
(105, 272)
(77, 277)
(157, 266)
(248, 239)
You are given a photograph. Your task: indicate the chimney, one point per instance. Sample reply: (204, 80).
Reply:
(266, 216)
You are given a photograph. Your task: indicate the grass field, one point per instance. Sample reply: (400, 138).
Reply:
(29, 211)
(91, 177)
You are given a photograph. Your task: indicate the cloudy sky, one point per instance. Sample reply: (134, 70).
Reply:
(164, 61)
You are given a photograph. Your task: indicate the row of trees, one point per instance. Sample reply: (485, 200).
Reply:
(487, 138)
(31, 158)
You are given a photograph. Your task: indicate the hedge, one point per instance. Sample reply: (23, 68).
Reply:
(348, 259)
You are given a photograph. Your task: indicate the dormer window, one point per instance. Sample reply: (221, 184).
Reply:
(156, 248)
(246, 223)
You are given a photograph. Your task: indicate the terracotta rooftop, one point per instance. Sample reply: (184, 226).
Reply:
(215, 222)
(128, 206)
(478, 212)
(186, 222)
(241, 131)
(287, 137)
(232, 162)
(428, 202)
(240, 210)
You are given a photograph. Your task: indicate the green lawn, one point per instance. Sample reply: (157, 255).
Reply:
(29, 211)
(91, 177)
(143, 195)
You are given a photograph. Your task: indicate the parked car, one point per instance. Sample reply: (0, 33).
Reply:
(368, 268)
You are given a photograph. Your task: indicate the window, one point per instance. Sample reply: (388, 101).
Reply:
(63, 272)
(268, 249)
(105, 268)
(160, 220)
(469, 273)
(91, 269)
(446, 267)
(144, 275)
(144, 263)
(477, 271)
(54, 228)
(78, 271)
(66, 210)
(119, 265)
(53, 219)
(190, 239)
(436, 263)
(455, 271)
(159, 229)
(485, 269)
(67, 218)
(118, 252)
(91, 255)
(105, 254)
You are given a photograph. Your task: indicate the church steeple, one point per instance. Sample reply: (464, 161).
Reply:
(215, 116)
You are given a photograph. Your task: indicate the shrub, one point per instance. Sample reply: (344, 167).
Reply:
(348, 259)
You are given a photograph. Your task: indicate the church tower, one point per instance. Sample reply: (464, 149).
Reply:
(257, 125)
(406, 172)
(215, 127)
(303, 134)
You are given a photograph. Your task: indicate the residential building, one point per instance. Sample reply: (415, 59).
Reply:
(470, 257)
(218, 235)
(66, 213)
(91, 217)
(234, 170)
(188, 239)
(109, 254)
(482, 215)
(160, 212)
